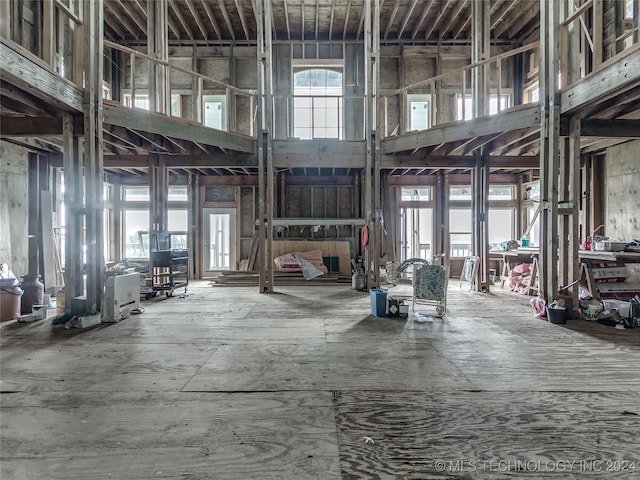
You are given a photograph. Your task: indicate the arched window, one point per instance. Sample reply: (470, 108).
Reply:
(317, 103)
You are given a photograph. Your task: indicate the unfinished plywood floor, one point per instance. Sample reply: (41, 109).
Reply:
(305, 384)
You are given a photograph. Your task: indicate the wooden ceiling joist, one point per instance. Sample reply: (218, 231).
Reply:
(211, 17)
(227, 19)
(181, 19)
(196, 17)
(243, 19)
(407, 17)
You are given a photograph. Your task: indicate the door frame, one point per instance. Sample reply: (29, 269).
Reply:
(206, 234)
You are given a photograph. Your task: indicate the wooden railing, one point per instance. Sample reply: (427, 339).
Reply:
(60, 44)
(198, 84)
(450, 85)
(583, 45)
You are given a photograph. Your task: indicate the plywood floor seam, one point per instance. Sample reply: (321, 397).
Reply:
(306, 384)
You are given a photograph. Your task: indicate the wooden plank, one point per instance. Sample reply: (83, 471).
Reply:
(455, 162)
(11, 126)
(115, 114)
(48, 255)
(614, 77)
(20, 68)
(512, 119)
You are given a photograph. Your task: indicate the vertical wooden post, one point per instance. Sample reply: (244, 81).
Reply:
(480, 50)
(48, 31)
(563, 219)
(549, 148)
(585, 213)
(443, 244)
(575, 193)
(158, 187)
(5, 24)
(636, 21)
(93, 145)
(375, 143)
(158, 47)
(77, 75)
(198, 244)
(34, 223)
(196, 89)
(265, 165)
(598, 34)
(73, 212)
(118, 252)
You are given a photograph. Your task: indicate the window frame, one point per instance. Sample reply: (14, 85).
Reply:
(308, 65)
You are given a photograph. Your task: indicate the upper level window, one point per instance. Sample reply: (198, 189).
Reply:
(416, 194)
(468, 105)
(142, 102)
(419, 111)
(317, 103)
(215, 111)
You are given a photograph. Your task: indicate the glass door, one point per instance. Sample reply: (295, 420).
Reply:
(417, 233)
(219, 239)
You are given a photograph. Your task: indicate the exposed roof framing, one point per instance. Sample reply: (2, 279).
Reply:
(178, 13)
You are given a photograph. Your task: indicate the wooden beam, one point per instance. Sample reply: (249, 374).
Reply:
(140, 22)
(177, 128)
(615, 77)
(505, 8)
(210, 16)
(29, 73)
(227, 20)
(604, 127)
(456, 161)
(453, 18)
(122, 20)
(331, 17)
(523, 20)
(346, 21)
(23, 102)
(36, 126)
(423, 15)
(434, 24)
(243, 20)
(391, 19)
(516, 118)
(196, 17)
(317, 19)
(181, 19)
(407, 17)
(318, 161)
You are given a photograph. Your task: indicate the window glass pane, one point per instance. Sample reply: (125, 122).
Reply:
(177, 220)
(416, 194)
(460, 220)
(534, 234)
(419, 115)
(500, 193)
(178, 225)
(214, 111)
(177, 194)
(460, 193)
(317, 103)
(500, 226)
(532, 191)
(136, 243)
(460, 228)
(136, 194)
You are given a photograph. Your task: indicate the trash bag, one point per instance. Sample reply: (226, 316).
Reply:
(309, 271)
